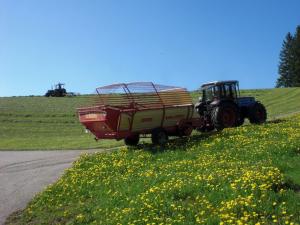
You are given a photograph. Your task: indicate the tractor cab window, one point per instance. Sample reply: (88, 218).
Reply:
(230, 91)
(208, 94)
(211, 93)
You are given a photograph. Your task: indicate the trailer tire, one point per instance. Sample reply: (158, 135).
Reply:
(185, 130)
(132, 140)
(159, 136)
(258, 114)
(225, 115)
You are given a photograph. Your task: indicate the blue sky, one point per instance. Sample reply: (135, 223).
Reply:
(87, 44)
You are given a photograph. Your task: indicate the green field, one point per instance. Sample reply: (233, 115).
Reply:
(45, 123)
(245, 175)
(51, 123)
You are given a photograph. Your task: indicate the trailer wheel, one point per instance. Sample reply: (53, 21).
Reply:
(185, 130)
(132, 140)
(159, 136)
(258, 114)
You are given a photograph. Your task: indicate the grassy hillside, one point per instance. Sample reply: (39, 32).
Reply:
(245, 175)
(278, 102)
(51, 123)
(44, 123)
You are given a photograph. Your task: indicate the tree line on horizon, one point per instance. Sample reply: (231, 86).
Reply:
(289, 61)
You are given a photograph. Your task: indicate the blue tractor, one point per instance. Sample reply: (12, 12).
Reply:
(221, 106)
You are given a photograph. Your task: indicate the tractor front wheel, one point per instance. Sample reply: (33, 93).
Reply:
(159, 137)
(240, 121)
(258, 114)
(132, 140)
(225, 115)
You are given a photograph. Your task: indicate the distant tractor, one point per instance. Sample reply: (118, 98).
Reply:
(221, 106)
(59, 91)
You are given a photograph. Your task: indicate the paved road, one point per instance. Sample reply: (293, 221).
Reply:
(25, 173)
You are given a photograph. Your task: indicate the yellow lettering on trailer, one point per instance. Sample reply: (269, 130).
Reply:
(91, 116)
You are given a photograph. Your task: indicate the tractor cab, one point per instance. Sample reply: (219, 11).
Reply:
(221, 90)
(60, 86)
(59, 91)
(221, 106)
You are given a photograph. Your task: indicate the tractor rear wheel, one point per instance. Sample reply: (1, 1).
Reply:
(205, 129)
(159, 136)
(258, 114)
(132, 140)
(225, 115)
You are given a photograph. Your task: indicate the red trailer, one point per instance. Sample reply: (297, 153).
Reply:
(126, 111)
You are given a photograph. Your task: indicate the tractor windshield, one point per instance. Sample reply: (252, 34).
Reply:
(209, 93)
(225, 90)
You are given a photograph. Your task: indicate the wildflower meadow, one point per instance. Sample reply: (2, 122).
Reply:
(245, 175)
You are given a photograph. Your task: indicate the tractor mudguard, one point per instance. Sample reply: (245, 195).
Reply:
(246, 101)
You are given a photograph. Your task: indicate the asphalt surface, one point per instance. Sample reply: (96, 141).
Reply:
(25, 173)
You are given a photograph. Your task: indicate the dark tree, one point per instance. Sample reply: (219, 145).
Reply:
(296, 48)
(289, 61)
(285, 63)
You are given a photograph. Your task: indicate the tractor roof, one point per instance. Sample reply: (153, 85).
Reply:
(219, 82)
